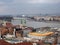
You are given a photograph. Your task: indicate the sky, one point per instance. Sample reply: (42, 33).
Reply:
(16, 7)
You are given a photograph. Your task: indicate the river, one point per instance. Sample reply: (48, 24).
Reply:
(36, 24)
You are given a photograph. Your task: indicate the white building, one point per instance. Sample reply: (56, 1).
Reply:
(18, 21)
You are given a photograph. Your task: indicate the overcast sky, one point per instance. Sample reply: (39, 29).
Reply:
(15, 7)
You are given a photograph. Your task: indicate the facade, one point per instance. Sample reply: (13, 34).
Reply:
(57, 18)
(21, 20)
(48, 18)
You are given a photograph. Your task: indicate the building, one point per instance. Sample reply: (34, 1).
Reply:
(48, 18)
(56, 18)
(21, 20)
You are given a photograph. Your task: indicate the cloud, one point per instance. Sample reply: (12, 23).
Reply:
(3, 9)
(36, 1)
(44, 1)
(4, 6)
(27, 6)
(6, 1)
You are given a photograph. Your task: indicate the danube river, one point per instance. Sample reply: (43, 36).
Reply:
(36, 24)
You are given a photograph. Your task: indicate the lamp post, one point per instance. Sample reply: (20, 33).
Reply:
(0, 34)
(14, 32)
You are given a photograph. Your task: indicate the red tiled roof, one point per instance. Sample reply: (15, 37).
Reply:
(2, 42)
